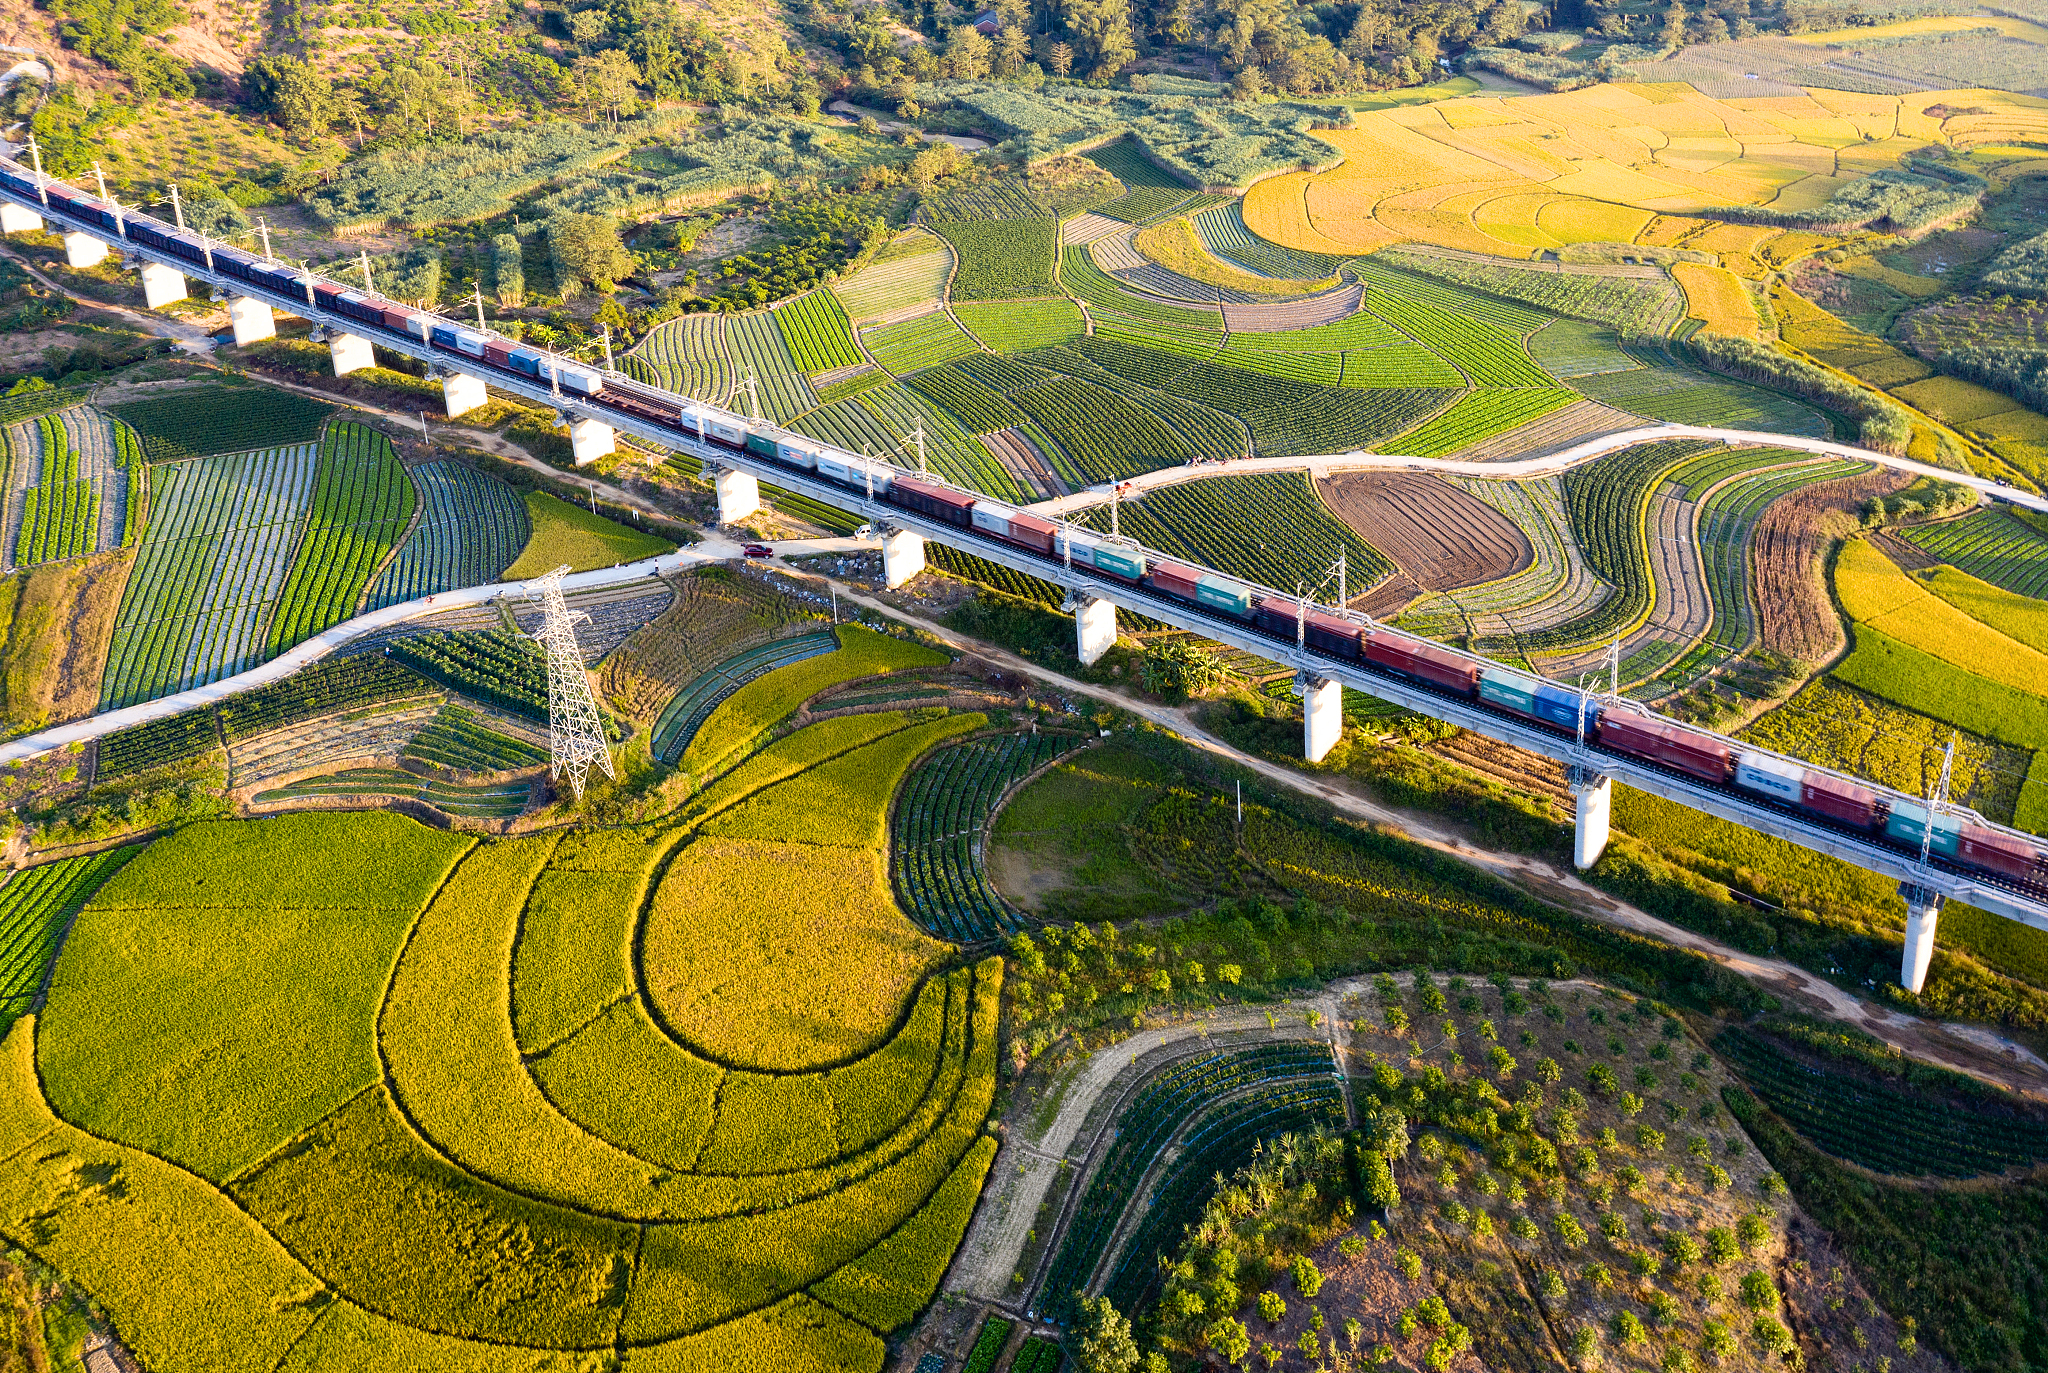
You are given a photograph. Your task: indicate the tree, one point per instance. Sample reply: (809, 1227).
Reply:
(587, 248)
(1248, 84)
(291, 93)
(1228, 1337)
(1673, 35)
(967, 53)
(1013, 50)
(1103, 1338)
(589, 27)
(1061, 59)
(609, 82)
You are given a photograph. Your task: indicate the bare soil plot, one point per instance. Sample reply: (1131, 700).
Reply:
(1560, 429)
(1441, 537)
(1795, 614)
(1025, 464)
(1305, 313)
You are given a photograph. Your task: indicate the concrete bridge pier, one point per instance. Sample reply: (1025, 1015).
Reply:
(461, 393)
(590, 439)
(161, 285)
(351, 354)
(1923, 909)
(902, 556)
(252, 319)
(739, 493)
(1094, 627)
(1595, 797)
(83, 250)
(1322, 715)
(19, 219)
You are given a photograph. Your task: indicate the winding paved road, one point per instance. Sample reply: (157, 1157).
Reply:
(1565, 458)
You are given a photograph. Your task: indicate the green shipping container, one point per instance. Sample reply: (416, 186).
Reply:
(1222, 595)
(1513, 692)
(1123, 564)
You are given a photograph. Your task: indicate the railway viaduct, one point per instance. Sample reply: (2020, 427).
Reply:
(1092, 598)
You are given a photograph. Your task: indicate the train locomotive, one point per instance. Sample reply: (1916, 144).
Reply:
(1903, 823)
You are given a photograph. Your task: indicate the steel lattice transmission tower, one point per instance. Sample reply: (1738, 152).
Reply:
(575, 728)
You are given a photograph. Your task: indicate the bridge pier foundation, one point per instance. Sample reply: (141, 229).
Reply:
(1595, 797)
(83, 250)
(161, 285)
(1322, 716)
(739, 494)
(19, 219)
(351, 353)
(590, 439)
(902, 556)
(1923, 909)
(252, 319)
(461, 393)
(1094, 628)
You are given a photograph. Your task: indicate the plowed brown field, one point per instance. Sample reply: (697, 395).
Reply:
(1441, 538)
(1794, 615)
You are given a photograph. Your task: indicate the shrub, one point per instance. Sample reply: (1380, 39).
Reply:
(1272, 1306)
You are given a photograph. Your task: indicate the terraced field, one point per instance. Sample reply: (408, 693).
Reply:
(362, 504)
(755, 344)
(471, 528)
(908, 279)
(1991, 544)
(66, 488)
(220, 543)
(687, 354)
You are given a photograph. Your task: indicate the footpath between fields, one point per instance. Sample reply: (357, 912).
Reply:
(1971, 1049)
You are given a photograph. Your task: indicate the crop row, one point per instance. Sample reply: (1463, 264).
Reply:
(57, 522)
(689, 708)
(157, 744)
(939, 819)
(217, 547)
(980, 408)
(949, 449)
(27, 405)
(895, 284)
(1223, 232)
(337, 684)
(493, 665)
(686, 355)
(1607, 502)
(1210, 431)
(1018, 326)
(35, 905)
(1144, 1128)
(999, 198)
(1039, 1354)
(816, 331)
(1106, 296)
(1883, 1127)
(1632, 304)
(1221, 1142)
(988, 1345)
(1481, 415)
(362, 503)
(1285, 417)
(1268, 527)
(758, 351)
(1107, 435)
(1005, 259)
(458, 738)
(1989, 544)
(224, 419)
(470, 531)
(485, 800)
(918, 343)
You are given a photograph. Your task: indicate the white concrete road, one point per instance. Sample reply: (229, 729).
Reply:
(1326, 463)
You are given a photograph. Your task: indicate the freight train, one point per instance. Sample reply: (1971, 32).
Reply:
(1899, 821)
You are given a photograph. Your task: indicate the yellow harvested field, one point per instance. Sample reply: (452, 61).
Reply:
(1792, 245)
(1733, 238)
(1472, 173)
(1952, 401)
(1569, 219)
(1932, 24)
(1714, 296)
(1668, 231)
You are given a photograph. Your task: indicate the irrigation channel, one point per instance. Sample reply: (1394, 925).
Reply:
(614, 406)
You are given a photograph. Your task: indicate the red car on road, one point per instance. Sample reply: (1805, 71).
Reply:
(758, 550)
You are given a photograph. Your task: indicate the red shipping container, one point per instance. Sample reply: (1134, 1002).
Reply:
(1695, 754)
(395, 317)
(1173, 578)
(954, 507)
(2007, 855)
(1839, 799)
(1438, 666)
(1032, 532)
(497, 352)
